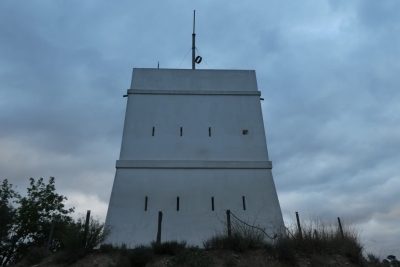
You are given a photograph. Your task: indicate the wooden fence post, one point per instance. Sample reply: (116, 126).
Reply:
(228, 222)
(86, 228)
(159, 228)
(315, 233)
(340, 227)
(298, 225)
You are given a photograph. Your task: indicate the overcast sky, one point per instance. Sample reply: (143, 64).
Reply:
(328, 70)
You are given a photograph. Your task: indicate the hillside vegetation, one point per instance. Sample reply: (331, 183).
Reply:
(27, 222)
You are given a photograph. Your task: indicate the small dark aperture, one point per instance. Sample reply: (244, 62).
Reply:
(244, 203)
(177, 203)
(145, 203)
(152, 133)
(212, 203)
(181, 131)
(209, 131)
(245, 132)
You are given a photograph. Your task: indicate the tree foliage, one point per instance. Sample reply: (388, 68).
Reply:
(27, 222)
(7, 211)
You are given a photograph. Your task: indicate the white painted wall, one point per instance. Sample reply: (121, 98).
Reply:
(227, 116)
(195, 219)
(195, 166)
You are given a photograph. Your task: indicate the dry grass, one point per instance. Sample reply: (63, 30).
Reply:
(319, 244)
(322, 237)
(317, 239)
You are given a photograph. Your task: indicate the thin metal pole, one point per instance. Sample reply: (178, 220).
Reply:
(50, 236)
(194, 41)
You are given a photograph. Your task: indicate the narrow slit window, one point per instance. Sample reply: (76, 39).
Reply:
(181, 131)
(244, 203)
(212, 203)
(209, 131)
(152, 133)
(245, 132)
(177, 203)
(145, 203)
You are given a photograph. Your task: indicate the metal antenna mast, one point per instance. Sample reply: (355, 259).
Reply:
(194, 41)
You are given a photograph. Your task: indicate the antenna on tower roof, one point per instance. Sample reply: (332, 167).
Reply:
(194, 58)
(194, 41)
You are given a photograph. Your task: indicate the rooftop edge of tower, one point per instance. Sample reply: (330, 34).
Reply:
(188, 79)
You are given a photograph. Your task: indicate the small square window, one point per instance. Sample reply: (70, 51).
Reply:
(245, 132)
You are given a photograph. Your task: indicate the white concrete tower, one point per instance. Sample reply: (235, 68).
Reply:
(193, 146)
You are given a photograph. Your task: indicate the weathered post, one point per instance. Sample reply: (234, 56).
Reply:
(228, 222)
(340, 227)
(86, 228)
(298, 225)
(315, 233)
(50, 236)
(159, 228)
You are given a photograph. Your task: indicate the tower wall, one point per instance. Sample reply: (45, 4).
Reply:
(195, 135)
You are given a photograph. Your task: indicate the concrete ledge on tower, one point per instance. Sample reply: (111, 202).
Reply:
(192, 164)
(192, 92)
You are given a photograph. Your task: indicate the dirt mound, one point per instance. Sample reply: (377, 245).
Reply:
(214, 258)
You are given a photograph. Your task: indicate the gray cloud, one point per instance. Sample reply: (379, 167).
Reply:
(327, 70)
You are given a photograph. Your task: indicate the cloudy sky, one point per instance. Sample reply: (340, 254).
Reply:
(328, 70)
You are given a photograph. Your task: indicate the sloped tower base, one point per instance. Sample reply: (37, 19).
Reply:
(193, 147)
